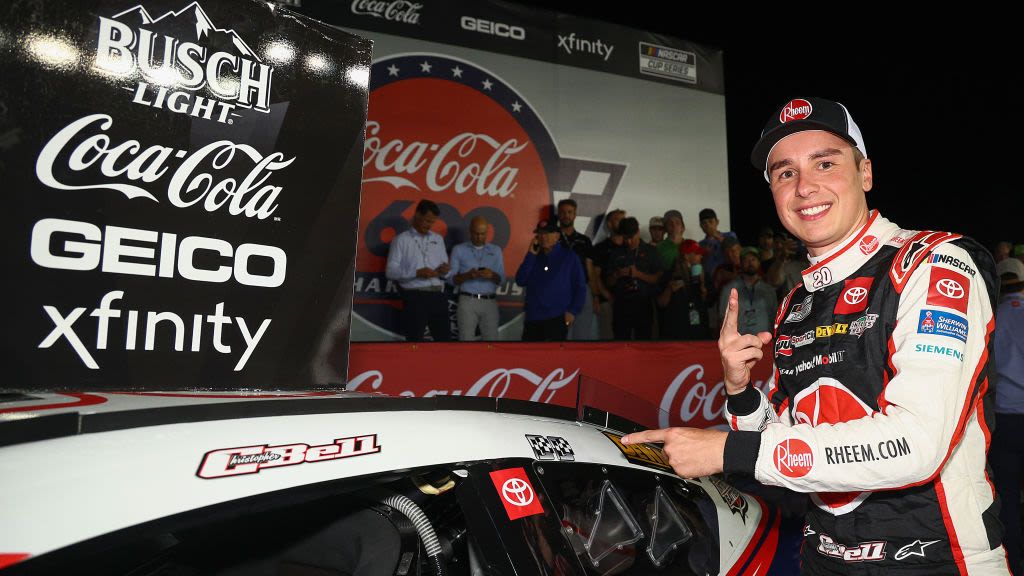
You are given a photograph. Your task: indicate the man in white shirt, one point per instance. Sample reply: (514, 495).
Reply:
(418, 262)
(477, 269)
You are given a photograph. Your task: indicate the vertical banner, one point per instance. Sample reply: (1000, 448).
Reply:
(182, 181)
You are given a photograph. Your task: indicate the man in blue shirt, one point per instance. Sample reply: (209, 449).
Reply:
(1007, 452)
(555, 285)
(418, 262)
(477, 270)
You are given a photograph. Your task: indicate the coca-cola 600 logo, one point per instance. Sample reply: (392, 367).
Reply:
(447, 130)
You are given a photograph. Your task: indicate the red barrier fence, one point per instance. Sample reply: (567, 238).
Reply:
(673, 383)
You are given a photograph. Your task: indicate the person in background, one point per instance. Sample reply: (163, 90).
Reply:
(683, 312)
(766, 248)
(729, 269)
(1007, 452)
(555, 286)
(786, 270)
(712, 242)
(599, 287)
(668, 248)
(477, 268)
(1002, 251)
(418, 262)
(656, 229)
(585, 325)
(634, 271)
(757, 300)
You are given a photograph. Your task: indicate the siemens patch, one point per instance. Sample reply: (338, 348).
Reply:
(940, 350)
(943, 324)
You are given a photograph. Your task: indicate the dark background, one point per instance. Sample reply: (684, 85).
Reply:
(934, 94)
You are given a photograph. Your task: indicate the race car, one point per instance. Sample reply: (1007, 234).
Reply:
(345, 483)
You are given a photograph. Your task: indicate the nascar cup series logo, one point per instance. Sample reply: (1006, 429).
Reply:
(183, 63)
(446, 130)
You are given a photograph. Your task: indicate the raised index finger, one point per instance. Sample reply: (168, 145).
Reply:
(646, 436)
(731, 314)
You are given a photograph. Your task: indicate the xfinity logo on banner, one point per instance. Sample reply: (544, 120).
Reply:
(571, 44)
(493, 28)
(106, 312)
(394, 11)
(173, 67)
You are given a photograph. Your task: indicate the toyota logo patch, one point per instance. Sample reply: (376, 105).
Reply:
(516, 493)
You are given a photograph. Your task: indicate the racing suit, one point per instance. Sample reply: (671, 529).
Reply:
(876, 407)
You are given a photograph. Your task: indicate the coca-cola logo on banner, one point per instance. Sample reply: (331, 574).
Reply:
(392, 10)
(447, 130)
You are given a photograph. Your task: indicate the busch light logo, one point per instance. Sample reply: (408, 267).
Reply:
(183, 63)
(449, 131)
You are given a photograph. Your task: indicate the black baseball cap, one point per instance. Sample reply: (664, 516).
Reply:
(800, 114)
(546, 226)
(628, 227)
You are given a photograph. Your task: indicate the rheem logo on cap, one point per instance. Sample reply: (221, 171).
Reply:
(797, 109)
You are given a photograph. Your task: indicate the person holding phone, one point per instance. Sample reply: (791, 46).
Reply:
(477, 270)
(555, 285)
(418, 263)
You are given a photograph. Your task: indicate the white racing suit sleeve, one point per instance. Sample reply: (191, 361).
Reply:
(936, 352)
(752, 411)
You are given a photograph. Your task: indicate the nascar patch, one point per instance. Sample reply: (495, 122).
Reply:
(943, 324)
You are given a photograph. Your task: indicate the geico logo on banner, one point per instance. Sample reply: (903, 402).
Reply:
(494, 384)
(84, 246)
(492, 28)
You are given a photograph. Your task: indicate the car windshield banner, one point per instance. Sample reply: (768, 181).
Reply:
(183, 187)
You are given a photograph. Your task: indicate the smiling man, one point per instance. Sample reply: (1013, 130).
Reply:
(876, 407)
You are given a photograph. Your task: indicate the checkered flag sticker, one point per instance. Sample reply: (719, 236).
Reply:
(550, 448)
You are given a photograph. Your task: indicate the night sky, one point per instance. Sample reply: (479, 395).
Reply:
(933, 99)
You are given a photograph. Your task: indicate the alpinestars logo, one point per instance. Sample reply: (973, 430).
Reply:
(191, 55)
(801, 310)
